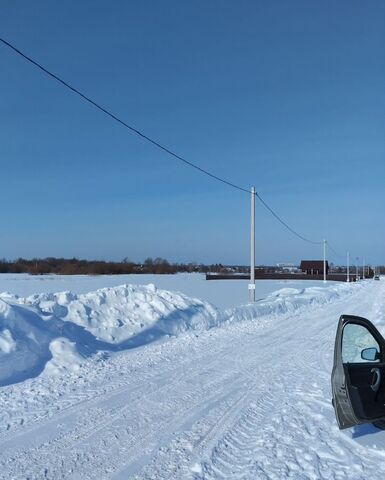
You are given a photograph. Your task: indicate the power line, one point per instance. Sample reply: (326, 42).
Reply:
(153, 142)
(284, 223)
(334, 251)
(117, 119)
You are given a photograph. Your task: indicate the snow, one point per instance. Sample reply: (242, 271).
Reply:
(136, 381)
(222, 293)
(111, 319)
(7, 343)
(64, 359)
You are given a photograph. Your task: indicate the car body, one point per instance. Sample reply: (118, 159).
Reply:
(358, 376)
(376, 277)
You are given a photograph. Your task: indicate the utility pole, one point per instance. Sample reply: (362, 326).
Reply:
(347, 267)
(363, 269)
(357, 277)
(324, 242)
(252, 247)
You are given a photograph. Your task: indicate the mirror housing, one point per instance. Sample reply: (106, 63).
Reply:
(370, 354)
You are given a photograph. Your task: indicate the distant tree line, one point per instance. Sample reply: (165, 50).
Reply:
(75, 266)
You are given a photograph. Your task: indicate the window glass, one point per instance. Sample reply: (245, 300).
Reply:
(356, 338)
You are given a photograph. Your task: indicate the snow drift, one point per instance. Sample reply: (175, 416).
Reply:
(64, 328)
(291, 299)
(55, 332)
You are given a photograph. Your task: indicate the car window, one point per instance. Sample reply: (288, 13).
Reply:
(355, 339)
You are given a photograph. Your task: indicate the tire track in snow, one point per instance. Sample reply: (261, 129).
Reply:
(81, 401)
(123, 437)
(234, 452)
(203, 433)
(205, 399)
(84, 431)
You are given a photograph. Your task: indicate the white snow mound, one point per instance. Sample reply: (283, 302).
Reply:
(119, 313)
(291, 299)
(55, 331)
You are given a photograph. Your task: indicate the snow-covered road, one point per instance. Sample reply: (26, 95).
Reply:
(248, 400)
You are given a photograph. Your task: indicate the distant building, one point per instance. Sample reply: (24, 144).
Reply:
(287, 267)
(314, 267)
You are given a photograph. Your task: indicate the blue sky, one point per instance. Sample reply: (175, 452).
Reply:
(288, 96)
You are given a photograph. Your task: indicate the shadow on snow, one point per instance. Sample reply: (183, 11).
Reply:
(34, 334)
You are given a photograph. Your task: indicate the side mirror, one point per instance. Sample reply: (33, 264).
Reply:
(370, 354)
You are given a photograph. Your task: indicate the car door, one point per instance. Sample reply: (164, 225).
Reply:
(358, 376)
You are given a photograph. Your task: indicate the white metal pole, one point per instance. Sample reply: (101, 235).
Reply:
(324, 261)
(252, 247)
(347, 267)
(363, 269)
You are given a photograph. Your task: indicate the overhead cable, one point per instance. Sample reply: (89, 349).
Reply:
(334, 251)
(284, 223)
(153, 142)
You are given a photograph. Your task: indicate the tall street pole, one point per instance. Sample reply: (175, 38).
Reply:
(363, 269)
(252, 247)
(347, 267)
(324, 260)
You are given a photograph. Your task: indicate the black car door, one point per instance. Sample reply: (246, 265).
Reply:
(358, 376)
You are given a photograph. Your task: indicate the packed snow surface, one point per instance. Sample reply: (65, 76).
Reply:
(134, 381)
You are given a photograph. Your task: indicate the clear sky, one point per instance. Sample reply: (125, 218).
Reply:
(285, 95)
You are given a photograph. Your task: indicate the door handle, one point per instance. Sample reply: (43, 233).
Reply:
(376, 385)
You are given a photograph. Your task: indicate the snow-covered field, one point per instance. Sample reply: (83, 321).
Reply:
(142, 382)
(223, 294)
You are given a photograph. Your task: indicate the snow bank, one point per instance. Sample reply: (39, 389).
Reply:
(55, 332)
(291, 299)
(117, 314)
